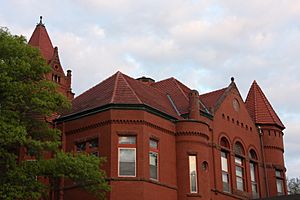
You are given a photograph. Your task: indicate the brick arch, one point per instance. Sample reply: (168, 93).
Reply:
(253, 148)
(226, 137)
(237, 140)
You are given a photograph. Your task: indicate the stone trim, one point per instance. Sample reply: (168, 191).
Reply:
(192, 133)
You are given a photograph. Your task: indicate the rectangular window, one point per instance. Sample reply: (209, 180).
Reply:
(93, 143)
(279, 182)
(153, 159)
(80, 147)
(225, 171)
(88, 146)
(239, 173)
(253, 176)
(193, 173)
(127, 156)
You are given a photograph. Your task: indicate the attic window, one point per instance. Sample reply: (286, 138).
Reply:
(55, 78)
(56, 67)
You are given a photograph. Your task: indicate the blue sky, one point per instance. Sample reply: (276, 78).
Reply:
(200, 42)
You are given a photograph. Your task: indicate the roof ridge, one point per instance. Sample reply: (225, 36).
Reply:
(129, 86)
(255, 101)
(269, 107)
(218, 90)
(176, 82)
(115, 87)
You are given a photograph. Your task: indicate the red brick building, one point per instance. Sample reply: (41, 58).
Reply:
(163, 140)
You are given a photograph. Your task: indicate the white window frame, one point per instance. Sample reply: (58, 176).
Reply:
(195, 174)
(119, 162)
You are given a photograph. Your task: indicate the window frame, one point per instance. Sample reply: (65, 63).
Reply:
(253, 164)
(279, 179)
(87, 146)
(242, 167)
(190, 175)
(127, 146)
(227, 154)
(225, 148)
(255, 182)
(156, 152)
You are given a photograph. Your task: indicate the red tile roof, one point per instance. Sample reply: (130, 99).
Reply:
(122, 89)
(210, 99)
(177, 91)
(41, 40)
(260, 108)
(169, 96)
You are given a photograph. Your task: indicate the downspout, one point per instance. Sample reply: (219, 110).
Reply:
(214, 162)
(263, 160)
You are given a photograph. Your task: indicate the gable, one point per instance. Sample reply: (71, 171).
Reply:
(231, 107)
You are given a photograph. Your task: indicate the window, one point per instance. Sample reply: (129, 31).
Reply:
(279, 182)
(93, 143)
(254, 187)
(89, 146)
(239, 173)
(153, 159)
(225, 171)
(239, 166)
(127, 156)
(93, 147)
(80, 147)
(225, 164)
(253, 174)
(193, 173)
(56, 78)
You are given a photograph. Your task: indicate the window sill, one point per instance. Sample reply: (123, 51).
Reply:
(193, 195)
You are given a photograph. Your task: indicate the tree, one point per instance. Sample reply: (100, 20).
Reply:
(26, 99)
(293, 185)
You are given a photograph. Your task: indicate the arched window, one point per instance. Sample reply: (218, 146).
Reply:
(252, 155)
(239, 149)
(239, 166)
(225, 164)
(224, 143)
(253, 174)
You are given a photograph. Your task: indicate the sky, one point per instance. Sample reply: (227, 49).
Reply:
(202, 43)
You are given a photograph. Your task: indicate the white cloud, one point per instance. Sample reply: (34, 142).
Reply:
(202, 43)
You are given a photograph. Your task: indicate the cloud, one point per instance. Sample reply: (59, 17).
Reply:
(201, 43)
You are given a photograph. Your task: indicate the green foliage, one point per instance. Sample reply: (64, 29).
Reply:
(26, 100)
(293, 185)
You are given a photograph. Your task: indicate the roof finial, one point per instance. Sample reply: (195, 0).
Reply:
(232, 79)
(41, 19)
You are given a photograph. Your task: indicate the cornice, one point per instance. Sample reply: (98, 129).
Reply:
(118, 121)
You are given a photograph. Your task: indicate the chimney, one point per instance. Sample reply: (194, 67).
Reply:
(146, 80)
(194, 105)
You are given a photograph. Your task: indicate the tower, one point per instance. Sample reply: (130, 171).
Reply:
(193, 152)
(271, 129)
(41, 40)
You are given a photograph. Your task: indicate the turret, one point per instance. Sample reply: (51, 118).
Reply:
(193, 153)
(271, 133)
(41, 40)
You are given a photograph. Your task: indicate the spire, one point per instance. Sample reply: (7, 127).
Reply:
(260, 108)
(41, 40)
(41, 21)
